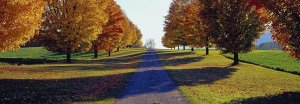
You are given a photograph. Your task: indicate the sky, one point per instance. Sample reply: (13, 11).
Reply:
(149, 15)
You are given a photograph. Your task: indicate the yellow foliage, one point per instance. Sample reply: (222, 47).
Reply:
(18, 21)
(70, 26)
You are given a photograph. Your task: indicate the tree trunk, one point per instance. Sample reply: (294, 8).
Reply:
(95, 52)
(118, 49)
(193, 49)
(178, 47)
(183, 47)
(109, 53)
(207, 46)
(69, 57)
(236, 58)
(207, 50)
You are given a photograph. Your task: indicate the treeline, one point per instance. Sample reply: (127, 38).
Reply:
(232, 26)
(67, 26)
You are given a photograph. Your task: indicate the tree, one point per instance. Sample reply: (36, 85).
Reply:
(285, 23)
(129, 36)
(70, 26)
(138, 43)
(239, 27)
(113, 29)
(150, 44)
(193, 25)
(209, 16)
(18, 21)
(174, 23)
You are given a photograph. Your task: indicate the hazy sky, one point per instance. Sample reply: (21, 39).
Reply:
(148, 15)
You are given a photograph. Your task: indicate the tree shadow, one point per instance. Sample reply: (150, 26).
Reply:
(284, 98)
(194, 77)
(166, 55)
(60, 91)
(181, 61)
(122, 59)
(153, 81)
(30, 61)
(145, 83)
(95, 67)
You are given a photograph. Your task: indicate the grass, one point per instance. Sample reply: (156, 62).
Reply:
(39, 55)
(85, 81)
(211, 80)
(275, 59)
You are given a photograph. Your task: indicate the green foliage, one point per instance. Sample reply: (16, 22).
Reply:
(274, 59)
(211, 80)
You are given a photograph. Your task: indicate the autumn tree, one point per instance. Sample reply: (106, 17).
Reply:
(239, 27)
(168, 42)
(130, 31)
(208, 15)
(285, 23)
(193, 25)
(138, 42)
(18, 21)
(113, 30)
(174, 23)
(70, 26)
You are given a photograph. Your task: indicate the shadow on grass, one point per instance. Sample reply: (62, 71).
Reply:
(122, 59)
(29, 61)
(180, 61)
(107, 66)
(165, 55)
(168, 59)
(194, 77)
(284, 98)
(59, 91)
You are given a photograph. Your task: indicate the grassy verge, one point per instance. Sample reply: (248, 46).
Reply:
(211, 80)
(84, 81)
(274, 59)
(39, 55)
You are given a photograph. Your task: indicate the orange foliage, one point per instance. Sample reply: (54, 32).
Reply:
(18, 21)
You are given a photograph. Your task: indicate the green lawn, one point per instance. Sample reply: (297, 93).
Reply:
(86, 80)
(274, 59)
(211, 80)
(41, 53)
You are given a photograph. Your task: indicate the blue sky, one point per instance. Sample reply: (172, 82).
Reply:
(149, 15)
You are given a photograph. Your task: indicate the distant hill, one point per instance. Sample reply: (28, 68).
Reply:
(266, 37)
(269, 46)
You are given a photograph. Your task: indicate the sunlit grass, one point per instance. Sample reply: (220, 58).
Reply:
(275, 59)
(86, 80)
(212, 80)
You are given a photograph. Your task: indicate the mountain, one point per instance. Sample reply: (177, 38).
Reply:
(269, 46)
(266, 37)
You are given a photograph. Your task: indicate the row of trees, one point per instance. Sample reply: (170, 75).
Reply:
(67, 26)
(232, 25)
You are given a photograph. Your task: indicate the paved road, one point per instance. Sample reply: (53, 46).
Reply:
(151, 85)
